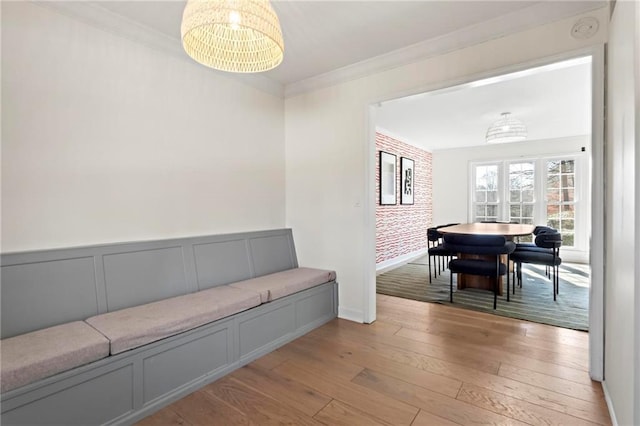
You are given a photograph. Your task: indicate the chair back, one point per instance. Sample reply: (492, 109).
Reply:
(433, 234)
(550, 240)
(478, 244)
(541, 229)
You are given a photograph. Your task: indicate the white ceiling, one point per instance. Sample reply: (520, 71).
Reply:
(323, 36)
(328, 41)
(553, 101)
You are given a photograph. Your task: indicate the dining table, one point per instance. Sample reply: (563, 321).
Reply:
(508, 230)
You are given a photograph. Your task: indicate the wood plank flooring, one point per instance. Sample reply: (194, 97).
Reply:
(418, 364)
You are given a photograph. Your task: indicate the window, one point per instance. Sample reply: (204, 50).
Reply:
(533, 191)
(521, 192)
(486, 193)
(561, 200)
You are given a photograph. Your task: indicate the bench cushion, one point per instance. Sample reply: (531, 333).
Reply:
(43, 353)
(139, 325)
(280, 284)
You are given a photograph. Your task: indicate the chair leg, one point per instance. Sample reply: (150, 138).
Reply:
(507, 276)
(556, 280)
(553, 279)
(451, 287)
(513, 276)
(495, 285)
(429, 268)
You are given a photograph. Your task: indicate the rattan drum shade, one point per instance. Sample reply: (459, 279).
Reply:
(232, 35)
(507, 129)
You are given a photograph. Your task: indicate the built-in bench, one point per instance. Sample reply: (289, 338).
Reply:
(111, 333)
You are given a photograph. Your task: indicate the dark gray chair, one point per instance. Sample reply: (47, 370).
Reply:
(539, 229)
(492, 245)
(546, 252)
(437, 251)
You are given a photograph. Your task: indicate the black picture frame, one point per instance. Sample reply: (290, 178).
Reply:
(407, 180)
(388, 192)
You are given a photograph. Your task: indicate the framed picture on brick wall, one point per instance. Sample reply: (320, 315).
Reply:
(407, 180)
(387, 179)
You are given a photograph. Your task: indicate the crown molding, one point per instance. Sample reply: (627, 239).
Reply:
(105, 20)
(532, 16)
(501, 26)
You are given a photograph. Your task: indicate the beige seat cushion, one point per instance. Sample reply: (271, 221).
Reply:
(280, 284)
(139, 325)
(43, 353)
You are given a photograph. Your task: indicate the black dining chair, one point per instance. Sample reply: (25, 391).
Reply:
(488, 245)
(546, 252)
(441, 256)
(539, 229)
(436, 250)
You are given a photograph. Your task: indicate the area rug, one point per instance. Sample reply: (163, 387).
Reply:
(533, 302)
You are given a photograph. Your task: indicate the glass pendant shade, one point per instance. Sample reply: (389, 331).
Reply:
(506, 129)
(241, 36)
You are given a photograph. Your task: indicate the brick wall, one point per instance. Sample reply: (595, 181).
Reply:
(402, 229)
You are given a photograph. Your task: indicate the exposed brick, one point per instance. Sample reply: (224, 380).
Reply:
(402, 229)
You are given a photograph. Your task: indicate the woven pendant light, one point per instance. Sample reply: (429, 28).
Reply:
(506, 129)
(241, 36)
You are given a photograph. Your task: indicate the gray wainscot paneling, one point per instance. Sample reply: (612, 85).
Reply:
(37, 295)
(143, 276)
(187, 359)
(98, 398)
(65, 285)
(273, 253)
(268, 323)
(223, 262)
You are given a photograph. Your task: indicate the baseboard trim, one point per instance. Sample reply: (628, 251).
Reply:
(351, 314)
(607, 399)
(399, 261)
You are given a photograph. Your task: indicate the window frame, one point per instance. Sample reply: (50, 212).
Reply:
(472, 195)
(581, 179)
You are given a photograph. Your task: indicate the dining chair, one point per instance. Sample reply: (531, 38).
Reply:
(546, 252)
(539, 229)
(436, 250)
(486, 245)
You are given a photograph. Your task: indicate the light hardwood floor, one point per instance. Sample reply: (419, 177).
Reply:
(418, 364)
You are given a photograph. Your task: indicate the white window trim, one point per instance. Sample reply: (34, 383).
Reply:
(580, 251)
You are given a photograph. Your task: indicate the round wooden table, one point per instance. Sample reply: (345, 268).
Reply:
(509, 230)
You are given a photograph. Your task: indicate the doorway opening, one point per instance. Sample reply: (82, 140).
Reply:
(561, 104)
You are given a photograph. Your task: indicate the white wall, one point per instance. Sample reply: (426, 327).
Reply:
(451, 179)
(621, 311)
(329, 151)
(106, 140)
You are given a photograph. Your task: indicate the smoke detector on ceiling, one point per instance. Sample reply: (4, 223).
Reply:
(585, 28)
